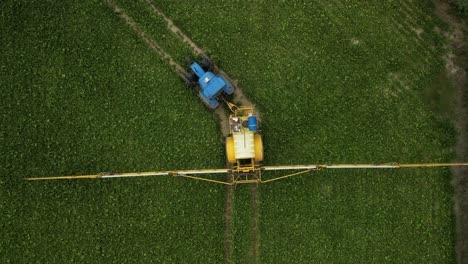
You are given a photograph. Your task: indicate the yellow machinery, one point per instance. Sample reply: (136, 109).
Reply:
(195, 174)
(244, 146)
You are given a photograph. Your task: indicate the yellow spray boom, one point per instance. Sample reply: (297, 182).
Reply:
(237, 177)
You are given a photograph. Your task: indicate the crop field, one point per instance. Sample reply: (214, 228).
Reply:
(82, 95)
(334, 81)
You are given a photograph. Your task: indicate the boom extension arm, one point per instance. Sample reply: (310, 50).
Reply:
(362, 166)
(195, 174)
(105, 175)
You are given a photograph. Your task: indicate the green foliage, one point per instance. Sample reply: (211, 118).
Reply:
(335, 82)
(82, 94)
(339, 82)
(242, 223)
(462, 6)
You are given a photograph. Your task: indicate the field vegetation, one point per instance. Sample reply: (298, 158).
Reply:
(462, 6)
(82, 94)
(341, 82)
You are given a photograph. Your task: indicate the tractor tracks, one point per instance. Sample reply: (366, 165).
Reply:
(172, 27)
(153, 45)
(455, 62)
(239, 98)
(147, 39)
(255, 241)
(228, 221)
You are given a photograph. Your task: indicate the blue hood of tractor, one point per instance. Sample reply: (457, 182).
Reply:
(197, 69)
(211, 85)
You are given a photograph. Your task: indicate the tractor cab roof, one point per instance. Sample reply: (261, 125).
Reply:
(211, 84)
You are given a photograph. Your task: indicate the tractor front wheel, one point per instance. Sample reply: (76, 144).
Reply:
(188, 62)
(207, 64)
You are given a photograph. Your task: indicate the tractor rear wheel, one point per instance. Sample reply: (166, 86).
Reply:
(228, 81)
(192, 79)
(188, 62)
(185, 78)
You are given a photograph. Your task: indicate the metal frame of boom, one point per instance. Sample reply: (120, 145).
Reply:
(238, 177)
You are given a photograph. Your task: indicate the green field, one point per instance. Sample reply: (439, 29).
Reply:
(81, 94)
(335, 82)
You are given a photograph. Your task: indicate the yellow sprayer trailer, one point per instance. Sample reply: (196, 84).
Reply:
(244, 146)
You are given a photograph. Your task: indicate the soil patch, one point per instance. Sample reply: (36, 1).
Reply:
(223, 120)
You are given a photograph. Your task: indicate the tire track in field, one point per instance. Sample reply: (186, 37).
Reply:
(239, 98)
(455, 60)
(153, 45)
(172, 27)
(255, 241)
(227, 224)
(220, 113)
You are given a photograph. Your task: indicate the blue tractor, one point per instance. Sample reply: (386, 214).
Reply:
(210, 87)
